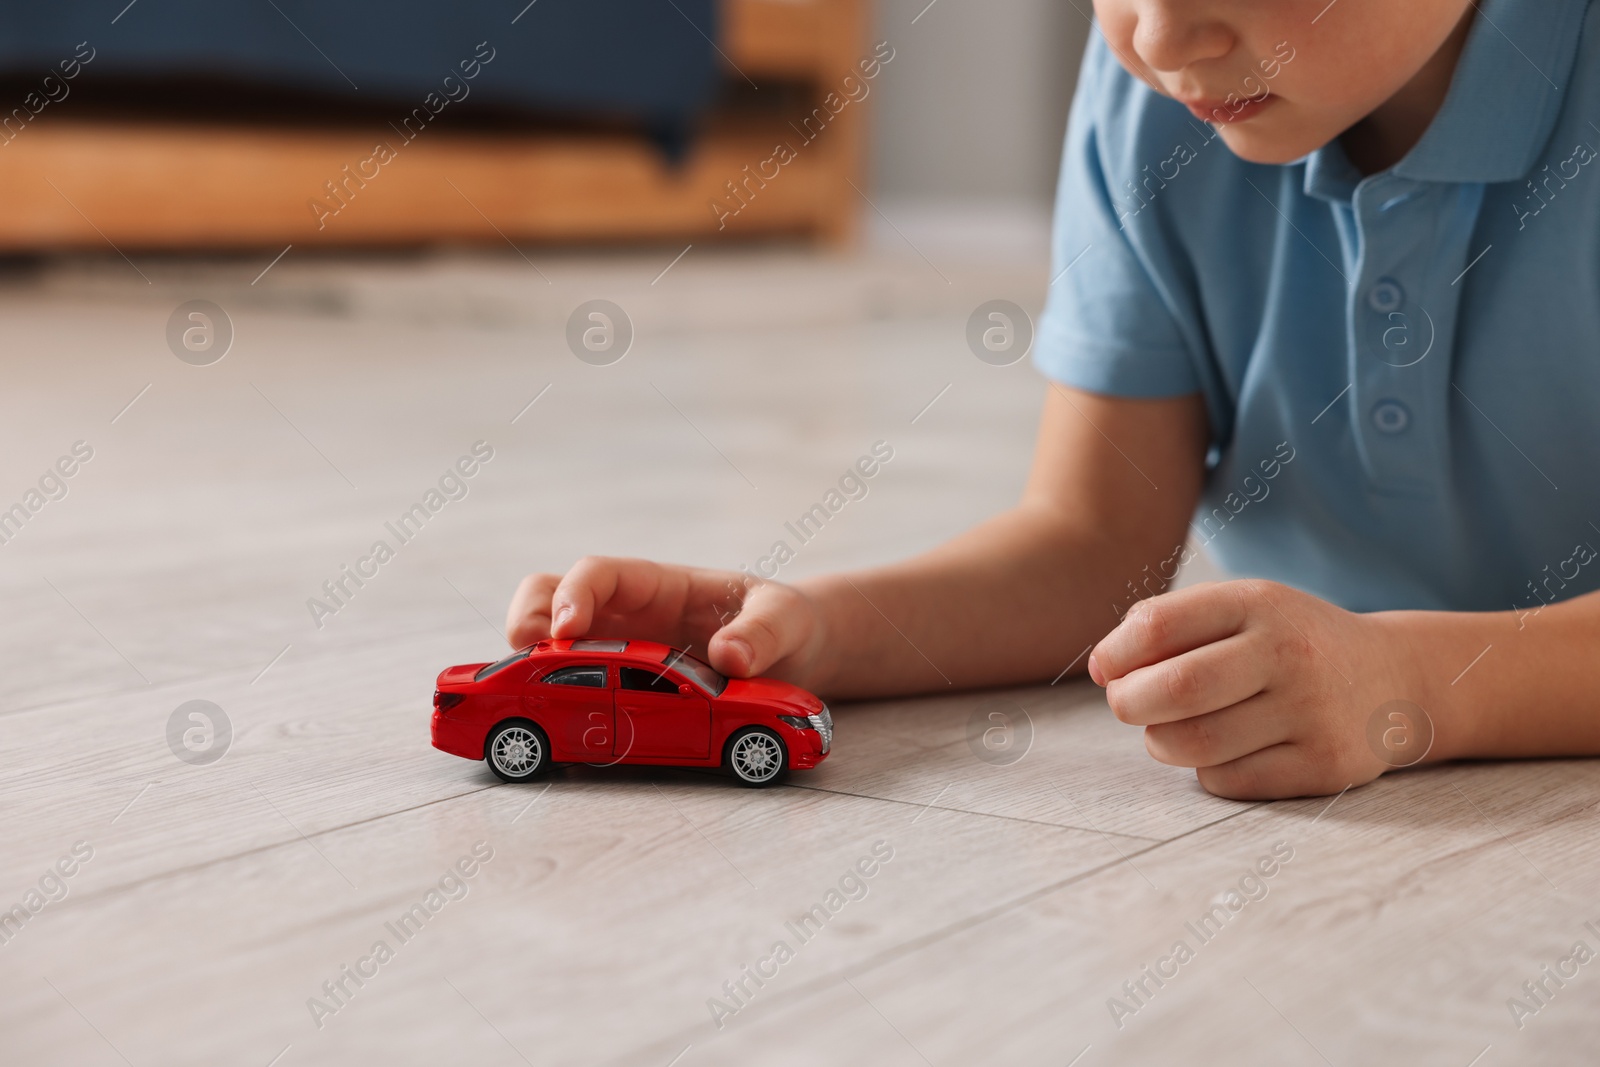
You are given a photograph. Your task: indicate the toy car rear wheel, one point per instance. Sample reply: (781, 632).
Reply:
(517, 751)
(756, 756)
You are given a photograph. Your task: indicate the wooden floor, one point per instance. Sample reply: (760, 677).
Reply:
(1019, 899)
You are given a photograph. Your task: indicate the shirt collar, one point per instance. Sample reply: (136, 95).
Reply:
(1329, 173)
(1501, 107)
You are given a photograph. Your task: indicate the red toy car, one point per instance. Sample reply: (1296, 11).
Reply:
(610, 701)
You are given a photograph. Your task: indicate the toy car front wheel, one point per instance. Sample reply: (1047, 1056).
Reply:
(756, 756)
(517, 751)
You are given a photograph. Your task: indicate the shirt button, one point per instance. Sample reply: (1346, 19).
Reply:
(1386, 296)
(1390, 416)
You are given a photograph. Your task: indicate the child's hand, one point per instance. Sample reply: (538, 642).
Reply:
(742, 626)
(1265, 690)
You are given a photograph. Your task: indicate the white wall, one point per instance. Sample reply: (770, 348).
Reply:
(975, 102)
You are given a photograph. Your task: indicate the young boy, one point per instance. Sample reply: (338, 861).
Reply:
(1354, 347)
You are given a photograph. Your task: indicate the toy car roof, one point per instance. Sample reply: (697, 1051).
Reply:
(651, 650)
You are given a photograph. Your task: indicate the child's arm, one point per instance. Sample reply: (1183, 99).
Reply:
(1016, 599)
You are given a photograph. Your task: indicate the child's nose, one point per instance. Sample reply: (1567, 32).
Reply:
(1173, 34)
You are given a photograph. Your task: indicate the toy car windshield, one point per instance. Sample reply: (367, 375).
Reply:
(704, 676)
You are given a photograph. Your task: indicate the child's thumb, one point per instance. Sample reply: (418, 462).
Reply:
(771, 625)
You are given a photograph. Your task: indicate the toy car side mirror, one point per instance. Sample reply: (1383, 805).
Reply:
(685, 689)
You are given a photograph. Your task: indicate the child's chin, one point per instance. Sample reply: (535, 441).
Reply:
(1258, 146)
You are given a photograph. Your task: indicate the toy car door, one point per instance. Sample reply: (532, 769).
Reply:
(574, 705)
(661, 716)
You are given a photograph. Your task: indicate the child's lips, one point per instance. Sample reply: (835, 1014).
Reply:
(1224, 113)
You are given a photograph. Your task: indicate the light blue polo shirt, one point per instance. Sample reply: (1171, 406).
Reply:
(1402, 371)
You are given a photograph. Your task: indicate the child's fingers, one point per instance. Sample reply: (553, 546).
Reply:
(1205, 679)
(1282, 771)
(1217, 737)
(528, 617)
(602, 584)
(1170, 624)
(774, 622)
(612, 597)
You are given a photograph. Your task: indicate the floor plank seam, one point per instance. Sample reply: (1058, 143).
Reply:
(790, 998)
(148, 879)
(220, 673)
(985, 814)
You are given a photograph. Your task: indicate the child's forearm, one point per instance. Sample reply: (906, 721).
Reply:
(1020, 598)
(1508, 684)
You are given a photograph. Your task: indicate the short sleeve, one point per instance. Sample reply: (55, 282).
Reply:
(1107, 327)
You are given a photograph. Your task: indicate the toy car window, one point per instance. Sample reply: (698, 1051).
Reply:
(593, 677)
(703, 675)
(592, 645)
(647, 680)
(500, 665)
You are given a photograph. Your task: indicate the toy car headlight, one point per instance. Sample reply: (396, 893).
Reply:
(822, 722)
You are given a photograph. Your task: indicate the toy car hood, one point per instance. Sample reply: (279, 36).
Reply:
(770, 690)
